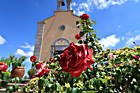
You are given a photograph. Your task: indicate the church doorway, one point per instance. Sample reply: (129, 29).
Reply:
(58, 46)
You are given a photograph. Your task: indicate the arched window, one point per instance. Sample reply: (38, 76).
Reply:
(58, 46)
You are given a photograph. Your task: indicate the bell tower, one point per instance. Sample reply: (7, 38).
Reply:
(69, 4)
(61, 3)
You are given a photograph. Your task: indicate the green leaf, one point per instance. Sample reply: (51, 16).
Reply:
(6, 75)
(80, 41)
(93, 35)
(110, 66)
(81, 34)
(89, 91)
(75, 90)
(93, 22)
(74, 79)
(85, 75)
(16, 79)
(90, 31)
(3, 83)
(58, 86)
(41, 83)
(10, 89)
(50, 85)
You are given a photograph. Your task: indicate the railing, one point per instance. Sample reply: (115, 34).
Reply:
(3, 90)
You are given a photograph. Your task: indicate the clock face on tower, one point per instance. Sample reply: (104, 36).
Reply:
(62, 27)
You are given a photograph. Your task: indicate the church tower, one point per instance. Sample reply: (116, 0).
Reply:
(55, 33)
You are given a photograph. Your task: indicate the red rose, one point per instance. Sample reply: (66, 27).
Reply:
(137, 57)
(77, 36)
(117, 65)
(41, 72)
(52, 59)
(33, 58)
(84, 16)
(76, 58)
(3, 67)
(41, 65)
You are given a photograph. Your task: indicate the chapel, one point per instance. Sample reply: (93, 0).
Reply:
(56, 32)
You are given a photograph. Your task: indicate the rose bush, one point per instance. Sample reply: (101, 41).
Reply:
(115, 71)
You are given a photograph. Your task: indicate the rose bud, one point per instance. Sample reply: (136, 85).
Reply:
(84, 16)
(33, 58)
(77, 36)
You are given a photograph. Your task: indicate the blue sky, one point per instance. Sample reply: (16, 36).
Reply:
(118, 22)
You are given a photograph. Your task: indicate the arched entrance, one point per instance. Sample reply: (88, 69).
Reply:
(58, 46)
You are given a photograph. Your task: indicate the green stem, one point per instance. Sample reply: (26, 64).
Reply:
(71, 83)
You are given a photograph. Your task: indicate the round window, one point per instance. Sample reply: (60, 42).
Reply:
(62, 28)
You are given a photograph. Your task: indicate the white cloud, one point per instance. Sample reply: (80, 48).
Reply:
(133, 39)
(81, 8)
(136, 1)
(27, 46)
(89, 5)
(110, 41)
(79, 12)
(2, 40)
(74, 4)
(84, 6)
(21, 51)
(129, 36)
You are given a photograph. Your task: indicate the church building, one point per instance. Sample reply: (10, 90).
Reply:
(56, 32)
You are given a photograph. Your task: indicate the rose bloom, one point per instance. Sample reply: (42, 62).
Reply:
(41, 65)
(84, 16)
(76, 58)
(52, 59)
(41, 72)
(33, 58)
(3, 67)
(77, 36)
(137, 57)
